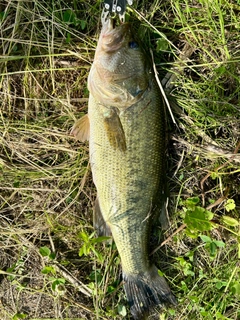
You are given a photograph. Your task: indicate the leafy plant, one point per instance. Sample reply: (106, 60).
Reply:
(46, 252)
(18, 316)
(212, 245)
(230, 205)
(58, 285)
(70, 17)
(197, 218)
(89, 245)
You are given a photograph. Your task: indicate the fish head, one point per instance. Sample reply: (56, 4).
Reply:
(117, 45)
(120, 73)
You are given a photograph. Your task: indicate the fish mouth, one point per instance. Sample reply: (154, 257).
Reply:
(114, 36)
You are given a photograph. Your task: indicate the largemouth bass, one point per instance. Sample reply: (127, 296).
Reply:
(127, 146)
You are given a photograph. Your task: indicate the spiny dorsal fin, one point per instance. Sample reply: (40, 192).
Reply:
(114, 129)
(81, 128)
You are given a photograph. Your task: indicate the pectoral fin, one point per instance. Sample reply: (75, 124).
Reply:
(81, 127)
(114, 129)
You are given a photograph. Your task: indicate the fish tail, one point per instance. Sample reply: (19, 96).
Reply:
(146, 291)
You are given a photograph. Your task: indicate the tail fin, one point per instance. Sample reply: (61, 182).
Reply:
(144, 291)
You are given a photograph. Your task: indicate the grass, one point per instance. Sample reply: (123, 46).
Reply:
(51, 264)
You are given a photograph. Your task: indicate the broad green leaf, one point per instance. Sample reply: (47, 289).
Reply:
(83, 24)
(192, 233)
(69, 16)
(220, 316)
(236, 288)
(68, 40)
(220, 70)
(91, 285)
(98, 255)
(219, 244)
(205, 239)
(230, 205)
(184, 286)
(162, 45)
(230, 221)
(100, 239)
(122, 310)
(58, 282)
(19, 316)
(83, 250)
(110, 289)
(45, 251)
(192, 201)
(161, 274)
(204, 313)
(3, 15)
(199, 219)
(80, 252)
(181, 260)
(52, 256)
(181, 177)
(16, 184)
(214, 175)
(219, 284)
(188, 272)
(172, 312)
(96, 276)
(213, 248)
(194, 298)
(84, 236)
(48, 269)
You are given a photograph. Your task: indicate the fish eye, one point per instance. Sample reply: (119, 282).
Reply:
(133, 45)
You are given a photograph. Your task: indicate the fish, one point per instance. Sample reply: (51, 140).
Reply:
(125, 126)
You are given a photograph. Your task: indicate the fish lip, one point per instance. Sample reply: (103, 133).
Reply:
(113, 37)
(107, 25)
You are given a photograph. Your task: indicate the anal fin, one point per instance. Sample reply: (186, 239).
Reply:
(99, 223)
(81, 129)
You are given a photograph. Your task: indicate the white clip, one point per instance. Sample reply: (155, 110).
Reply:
(114, 6)
(122, 17)
(104, 16)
